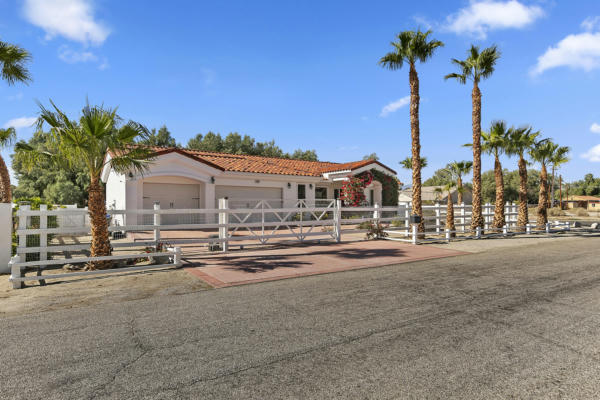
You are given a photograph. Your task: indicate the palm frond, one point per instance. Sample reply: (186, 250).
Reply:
(7, 137)
(12, 62)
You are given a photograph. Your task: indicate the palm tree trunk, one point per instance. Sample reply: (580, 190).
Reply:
(551, 199)
(97, 209)
(5, 190)
(459, 189)
(499, 219)
(476, 217)
(523, 217)
(542, 211)
(450, 216)
(417, 208)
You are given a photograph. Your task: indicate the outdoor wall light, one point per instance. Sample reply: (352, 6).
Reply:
(289, 185)
(310, 185)
(212, 179)
(131, 175)
(257, 181)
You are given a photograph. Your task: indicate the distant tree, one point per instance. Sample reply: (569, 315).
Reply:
(161, 138)
(440, 177)
(306, 155)
(511, 185)
(45, 178)
(588, 186)
(372, 156)
(234, 143)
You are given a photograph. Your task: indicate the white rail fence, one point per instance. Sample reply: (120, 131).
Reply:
(46, 241)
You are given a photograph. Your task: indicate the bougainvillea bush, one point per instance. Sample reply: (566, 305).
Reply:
(353, 195)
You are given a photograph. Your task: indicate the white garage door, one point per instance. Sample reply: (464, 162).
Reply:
(172, 195)
(246, 197)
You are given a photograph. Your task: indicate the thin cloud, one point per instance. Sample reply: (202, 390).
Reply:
(483, 16)
(70, 56)
(394, 106)
(592, 154)
(71, 19)
(595, 128)
(576, 51)
(19, 123)
(591, 23)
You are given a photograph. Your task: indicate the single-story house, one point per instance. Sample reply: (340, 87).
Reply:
(590, 203)
(188, 179)
(430, 194)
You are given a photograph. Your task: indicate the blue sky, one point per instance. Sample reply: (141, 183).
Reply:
(305, 73)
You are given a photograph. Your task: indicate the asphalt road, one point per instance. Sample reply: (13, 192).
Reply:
(508, 323)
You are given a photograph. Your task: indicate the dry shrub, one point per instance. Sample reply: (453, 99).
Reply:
(556, 212)
(581, 212)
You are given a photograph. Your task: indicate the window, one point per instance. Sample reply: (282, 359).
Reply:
(336, 193)
(321, 193)
(371, 197)
(301, 192)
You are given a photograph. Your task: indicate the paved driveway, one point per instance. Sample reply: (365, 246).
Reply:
(508, 323)
(238, 268)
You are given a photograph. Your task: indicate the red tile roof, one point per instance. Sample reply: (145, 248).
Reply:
(266, 165)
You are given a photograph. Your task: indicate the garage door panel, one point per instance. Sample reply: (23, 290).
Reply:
(249, 196)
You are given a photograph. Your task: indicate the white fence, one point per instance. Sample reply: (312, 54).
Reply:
(50, 238)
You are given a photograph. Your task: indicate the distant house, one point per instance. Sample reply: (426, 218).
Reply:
(429, 194)
(590, 203)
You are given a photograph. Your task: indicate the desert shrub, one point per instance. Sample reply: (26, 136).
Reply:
(365, 225)
(581, 212)
(397, 223)
(376, 231)
(556, 212)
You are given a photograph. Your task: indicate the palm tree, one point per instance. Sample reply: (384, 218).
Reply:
(477, 66)
(447, 188)
(407, 163)
(12, 70)
(12, 61)
(520, 140)
(411, 47)
(458, 169)
(7, 138)
(98, 139)
(495, 143)
(542, 152)
(559, 157)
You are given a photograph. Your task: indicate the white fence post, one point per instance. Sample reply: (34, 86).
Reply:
(15, 271)
(177, 257)
(337, 220)
(478, 232)
(376, 214)
(414, 234)
(156, 223)
(5, 236)
(547, 227)
(528, 229)
(447, 235)
(224, 220)
(462, 216)
(486, 219)
(22, 226)
(437, 218)
(43, 235)
(505, 230)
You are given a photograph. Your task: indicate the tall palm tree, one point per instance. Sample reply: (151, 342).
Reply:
(99, 139)
(495, 143)
(12, 69)
(12, 61)
(477, 66)
(7, 138)
(458, 169)
(520, 140)
(559, 157)
(542, 152)
(411, 47)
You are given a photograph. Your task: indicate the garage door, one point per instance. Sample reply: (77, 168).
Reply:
(172, 195)
(246, 197)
